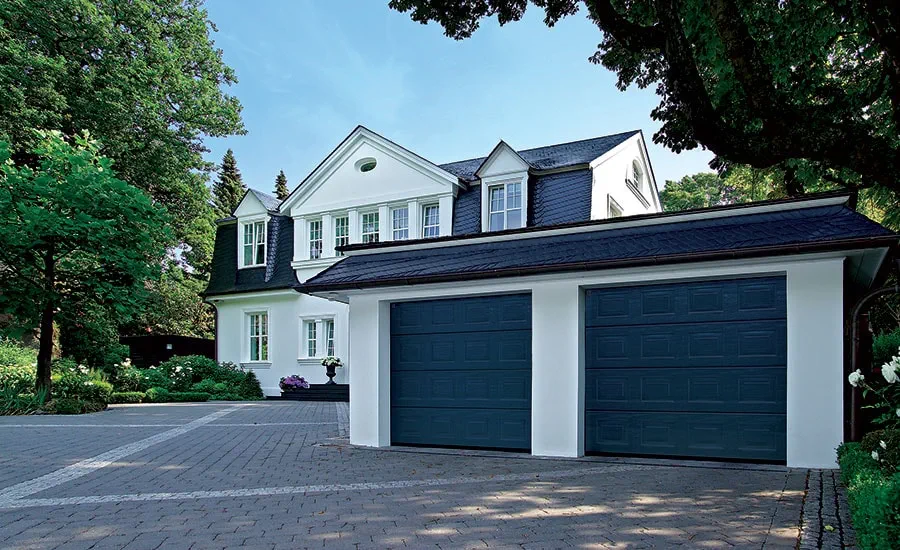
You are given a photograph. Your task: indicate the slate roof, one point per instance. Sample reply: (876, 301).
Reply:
(226, 278)
(268, 201)
(764, 233)
(549, 157)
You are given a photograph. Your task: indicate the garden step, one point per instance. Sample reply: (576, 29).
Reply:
(317, 392)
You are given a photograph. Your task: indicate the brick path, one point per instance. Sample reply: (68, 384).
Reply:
(282, 475)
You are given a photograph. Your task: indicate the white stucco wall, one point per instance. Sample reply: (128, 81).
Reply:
(286, 311)
(815, 351)
(609, 174)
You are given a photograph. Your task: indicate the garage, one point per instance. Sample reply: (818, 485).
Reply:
(690, 369)
(460, 372)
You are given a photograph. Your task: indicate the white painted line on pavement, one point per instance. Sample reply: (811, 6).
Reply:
(306, 489)
(26, 488)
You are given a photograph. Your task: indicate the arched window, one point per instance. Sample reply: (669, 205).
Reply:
(637, 174)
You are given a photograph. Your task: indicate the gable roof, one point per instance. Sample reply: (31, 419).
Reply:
(746, 231)
(495, 152)
(549, 157)
(268, 201)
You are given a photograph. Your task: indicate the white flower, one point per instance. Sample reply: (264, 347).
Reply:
(883, 445)
(177, 369)
(898, 412)
(856, 378)
(874, 455)
(889, 370)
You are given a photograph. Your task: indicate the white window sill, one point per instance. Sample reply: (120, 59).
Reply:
(251, 266)
(318, 262)
(256, 364)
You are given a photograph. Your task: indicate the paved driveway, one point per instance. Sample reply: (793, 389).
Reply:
(282, 475)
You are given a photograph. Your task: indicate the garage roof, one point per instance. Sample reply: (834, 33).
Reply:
(764, 229)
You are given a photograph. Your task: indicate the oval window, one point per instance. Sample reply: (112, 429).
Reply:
(366, 164)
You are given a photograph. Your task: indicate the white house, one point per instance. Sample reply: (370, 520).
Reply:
(371, 190)
(540, 301)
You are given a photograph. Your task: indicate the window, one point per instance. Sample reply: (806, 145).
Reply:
(315, 239)
(431, 221)
(341, 232)
(259, 336)
(505, 208)
(370, 227)
(613, 210)
(254, 248)
(329, 337)
(400, 223)
(311, 339)
(637, 175)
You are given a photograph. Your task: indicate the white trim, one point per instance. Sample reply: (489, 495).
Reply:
(607, 226)
(245, 336)
(611, 204)
(321, 337)
(250, 295)
(242, 223)
(495, 181)
(495, 152)
(350, 144)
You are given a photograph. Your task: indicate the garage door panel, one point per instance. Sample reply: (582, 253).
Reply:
(463, 389)
(462, 427)
(756, 389)
(738, 343)
(488, 313)
(746, 299)
(760, 437)
(504, 350)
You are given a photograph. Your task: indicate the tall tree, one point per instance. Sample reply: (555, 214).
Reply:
(229, 188)
(143, 77)
(756, 82)
(74, 236)
(281, 188)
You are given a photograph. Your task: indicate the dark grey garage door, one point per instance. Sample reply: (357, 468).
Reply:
(461, 372)
(690, 369)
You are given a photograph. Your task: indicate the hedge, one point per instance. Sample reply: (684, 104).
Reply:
(162, 395)
(874, 498)
(126, 397)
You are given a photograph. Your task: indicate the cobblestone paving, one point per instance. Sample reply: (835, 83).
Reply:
(282, 475)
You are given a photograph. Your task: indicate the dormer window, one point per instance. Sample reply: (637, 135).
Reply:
(253, 249)
(505, 206)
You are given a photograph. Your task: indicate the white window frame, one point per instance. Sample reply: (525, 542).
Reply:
(436, 226)
(506, 209)
(611, 206)
(362, 227)
(328, 325)
(248, 336)
(639, 186)
(315, 236)
(311, 338)
(253, 222)
(399, 233)
(321, 323)
(341, 240)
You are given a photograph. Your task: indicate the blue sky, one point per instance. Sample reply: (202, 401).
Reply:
(310, 71)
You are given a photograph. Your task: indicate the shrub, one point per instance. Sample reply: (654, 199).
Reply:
(71, 405)
(130, 379)
(126, 397)
(874, 498)
(79, 382)
(884, 347)
(19, 379)
(12, 402)
(210, 386)
(157, 395)
(13, 354)
(249, 387)
(188, 396)
(154, 378)
(886, 446)
(226, 397)
(184, 370)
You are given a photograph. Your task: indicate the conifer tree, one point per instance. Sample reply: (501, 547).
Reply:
(281, 188)
(229, 188)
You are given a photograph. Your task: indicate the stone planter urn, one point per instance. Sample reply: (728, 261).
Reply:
(331, 363)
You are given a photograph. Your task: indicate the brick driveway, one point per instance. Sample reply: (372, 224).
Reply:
(282, 475)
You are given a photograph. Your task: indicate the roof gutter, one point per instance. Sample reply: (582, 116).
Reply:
(889, 241)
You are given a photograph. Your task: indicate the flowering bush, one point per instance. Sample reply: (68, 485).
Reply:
(888, 393)
(71, 380)
(293, 382)
(17, 379)
(332, 361)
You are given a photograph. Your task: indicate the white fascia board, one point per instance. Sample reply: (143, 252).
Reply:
(608, 226)
(615, 150)
(350, 144)
(643, 145)
(246, 204)
(213, 298)
(499, 149)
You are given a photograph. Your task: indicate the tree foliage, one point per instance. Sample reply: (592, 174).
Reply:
(808, 85)
(143, 77)
(74, 237)
(229, 187)
(281, 188)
